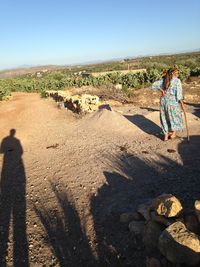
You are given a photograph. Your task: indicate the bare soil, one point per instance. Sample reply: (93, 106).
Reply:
(65, 180)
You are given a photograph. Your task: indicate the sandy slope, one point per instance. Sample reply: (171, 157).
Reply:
(62, 197)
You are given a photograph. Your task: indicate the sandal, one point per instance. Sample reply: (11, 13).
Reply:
(173, 137)
(166, 138)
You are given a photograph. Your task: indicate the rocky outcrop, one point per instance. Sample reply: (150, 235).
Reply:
(169, 233)
(84, 103)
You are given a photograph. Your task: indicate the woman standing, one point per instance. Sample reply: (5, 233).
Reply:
(170, 101)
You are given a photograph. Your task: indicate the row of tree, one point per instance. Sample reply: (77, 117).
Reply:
(60, 81)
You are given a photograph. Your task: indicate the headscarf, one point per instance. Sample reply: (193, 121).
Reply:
(167, 77)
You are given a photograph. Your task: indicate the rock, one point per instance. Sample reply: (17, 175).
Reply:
(167, 205)
(118, 86)
(144, 210)
(152, 232)
(136, 227)
(105, 106)
(129, 216)
(197, 209)
(191, 222)
(152, 262)
(160, 219)
(90, 99)
(179, 245)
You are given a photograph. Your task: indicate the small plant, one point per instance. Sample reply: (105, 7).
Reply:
(43, 94)
(4, 94)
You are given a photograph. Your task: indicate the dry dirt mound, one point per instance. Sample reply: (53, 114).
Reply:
(107, 121)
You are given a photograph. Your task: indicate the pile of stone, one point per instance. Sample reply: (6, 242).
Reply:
(84, 103)
(58, 96)
(170, 234)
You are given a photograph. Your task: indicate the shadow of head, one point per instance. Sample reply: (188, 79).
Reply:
(12, 132)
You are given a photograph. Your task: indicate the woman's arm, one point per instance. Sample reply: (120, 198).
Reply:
(179, 91)
(182, 105)
(157, 85)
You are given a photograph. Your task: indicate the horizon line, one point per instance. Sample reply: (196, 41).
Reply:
(98, 61)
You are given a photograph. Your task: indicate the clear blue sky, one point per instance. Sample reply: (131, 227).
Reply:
(36, 32)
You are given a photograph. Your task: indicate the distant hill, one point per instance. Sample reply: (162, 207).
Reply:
(127, 63)
(25, 70)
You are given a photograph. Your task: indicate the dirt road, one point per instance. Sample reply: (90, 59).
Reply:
(65, 181)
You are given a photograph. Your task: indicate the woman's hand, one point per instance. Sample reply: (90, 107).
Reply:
(181, 103)
(163, 93)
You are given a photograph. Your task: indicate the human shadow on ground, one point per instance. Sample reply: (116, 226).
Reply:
(65, 232)
(150, 109)
(133, 181)
(196, 110)
(13, 202)
(145, 124)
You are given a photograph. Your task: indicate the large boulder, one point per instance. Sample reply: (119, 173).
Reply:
(167, 205)
(161, 219)
(151, 234)
(130, 216)
(191, 222)
(179, 245)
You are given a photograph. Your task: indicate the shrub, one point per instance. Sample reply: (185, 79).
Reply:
(4, 92)
(195, 72)
(184, 72)
(152, 75)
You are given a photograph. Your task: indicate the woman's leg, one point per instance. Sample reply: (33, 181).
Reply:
(173, 134)
(164, 123)
(176, 120)
(166, 136)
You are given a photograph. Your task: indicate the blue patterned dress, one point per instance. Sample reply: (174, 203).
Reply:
(170, 110)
